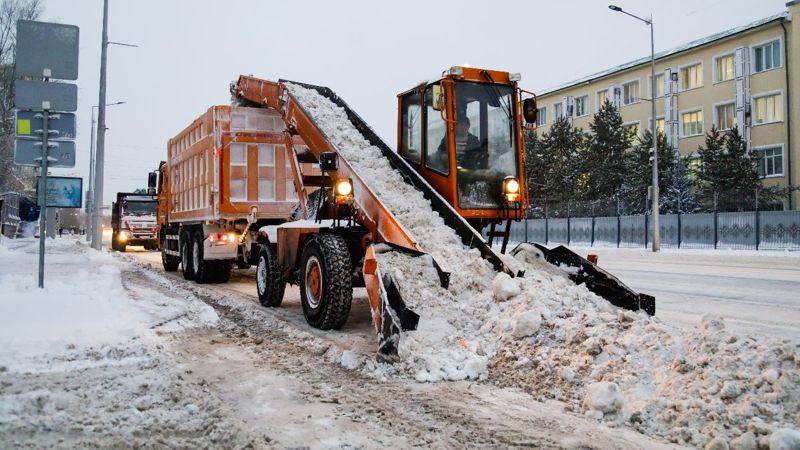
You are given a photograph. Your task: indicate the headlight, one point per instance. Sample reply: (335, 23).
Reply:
(511, 189)
(123, 236)
(344, 191)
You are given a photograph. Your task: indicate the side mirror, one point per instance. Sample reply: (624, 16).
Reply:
(438, 97)
(152, 179)
(529, 110)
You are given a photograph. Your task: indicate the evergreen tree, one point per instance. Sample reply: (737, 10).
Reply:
(679, 196)
(639, 173)
(552, 163)
(729, 178)
(604, 163)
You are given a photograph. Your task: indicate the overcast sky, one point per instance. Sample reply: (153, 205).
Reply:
(366, 51)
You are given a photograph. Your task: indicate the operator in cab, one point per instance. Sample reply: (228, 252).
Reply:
(469, 151)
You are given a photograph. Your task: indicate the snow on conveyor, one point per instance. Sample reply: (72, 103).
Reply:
(559, 341)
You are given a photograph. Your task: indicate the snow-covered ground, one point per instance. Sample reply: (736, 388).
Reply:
(755, 292)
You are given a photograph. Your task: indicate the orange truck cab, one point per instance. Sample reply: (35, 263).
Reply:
(463, 134)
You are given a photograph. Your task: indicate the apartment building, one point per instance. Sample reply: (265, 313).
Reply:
(744, 76)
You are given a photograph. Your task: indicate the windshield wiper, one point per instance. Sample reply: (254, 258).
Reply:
(506, 107)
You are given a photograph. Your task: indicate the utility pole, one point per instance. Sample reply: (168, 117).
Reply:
(654, 132)
(97, 195)
(90, 200)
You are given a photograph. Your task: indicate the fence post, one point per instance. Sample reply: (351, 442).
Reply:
(591, 243)
(619, 225)
(679, 229)
(568, 230)
(715, 220)
(526, 228)
(758, 223)
(546, 231)
(646, 231)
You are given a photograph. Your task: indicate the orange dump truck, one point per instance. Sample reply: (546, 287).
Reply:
(226, 175)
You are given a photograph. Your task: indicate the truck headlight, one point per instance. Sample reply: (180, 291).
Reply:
(123, 236)
(511, 189)
(343, 190)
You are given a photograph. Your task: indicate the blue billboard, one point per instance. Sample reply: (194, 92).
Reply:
(63, 192)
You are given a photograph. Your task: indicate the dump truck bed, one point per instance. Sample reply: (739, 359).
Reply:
(227, 161)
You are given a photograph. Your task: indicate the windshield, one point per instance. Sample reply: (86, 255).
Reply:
(486, 142)
(139, 208)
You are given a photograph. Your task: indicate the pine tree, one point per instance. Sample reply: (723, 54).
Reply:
(729, 178)
(604, 163)
(679, 196)
(639, 173)
(552, 163)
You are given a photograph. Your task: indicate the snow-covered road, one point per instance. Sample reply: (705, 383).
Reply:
(756, 293)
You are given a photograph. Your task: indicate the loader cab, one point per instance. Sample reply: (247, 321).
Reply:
(462, 133)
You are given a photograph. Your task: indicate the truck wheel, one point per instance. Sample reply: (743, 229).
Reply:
(222, 271)
(326, 288)
(203, 270)
(186, 256)
(269, 284)
(169, 262)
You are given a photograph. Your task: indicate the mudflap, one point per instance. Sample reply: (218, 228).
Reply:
(598, 280)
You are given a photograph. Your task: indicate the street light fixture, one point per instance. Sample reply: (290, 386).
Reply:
(90, 199)
(653, 131)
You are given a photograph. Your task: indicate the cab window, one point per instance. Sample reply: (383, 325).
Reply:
(411, 128)
(437, 155)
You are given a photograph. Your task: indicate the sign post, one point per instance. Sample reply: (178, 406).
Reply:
(44, 51)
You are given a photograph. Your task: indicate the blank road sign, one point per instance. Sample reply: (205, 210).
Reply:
(42, 45)
(32, 94)
(30, 124)
(28, 152)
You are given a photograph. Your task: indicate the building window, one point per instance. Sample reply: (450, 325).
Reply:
(769, 108)
(725, 116)
(692, 77)
(767, 56)
(659, 86)
(581, 106)
(770, 162)
(724, 67)
(660, 125)
(602, 97)
(559, 110)
(692, 123)
(632, 130)
(630, 92)
(541, 116)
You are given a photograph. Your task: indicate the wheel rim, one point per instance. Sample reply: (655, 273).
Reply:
(313, 282)
(196, 255)
(261, 276)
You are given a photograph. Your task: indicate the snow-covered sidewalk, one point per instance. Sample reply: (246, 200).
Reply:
(82, 361)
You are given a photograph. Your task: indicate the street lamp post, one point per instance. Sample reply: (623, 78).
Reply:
(653, 131)
(90, 199)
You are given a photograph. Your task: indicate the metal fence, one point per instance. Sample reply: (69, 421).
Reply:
(754, 230)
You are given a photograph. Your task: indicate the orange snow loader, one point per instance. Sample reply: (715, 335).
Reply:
(333, 246)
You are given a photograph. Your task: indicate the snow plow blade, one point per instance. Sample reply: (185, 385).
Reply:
(598, 280)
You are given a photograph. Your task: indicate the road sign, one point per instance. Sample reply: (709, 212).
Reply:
(40, 95)
(30, 124)
(28, 152)
(50, 47)
(63, 192)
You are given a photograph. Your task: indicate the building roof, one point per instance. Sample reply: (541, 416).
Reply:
(663, 54)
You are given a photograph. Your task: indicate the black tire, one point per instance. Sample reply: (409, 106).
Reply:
(186, 256)
(269, 285)
(169, 262)
(203, 270)
(326, 302)
(222, 271)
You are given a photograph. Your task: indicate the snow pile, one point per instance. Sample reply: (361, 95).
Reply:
(81, 362)
(557, 340)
